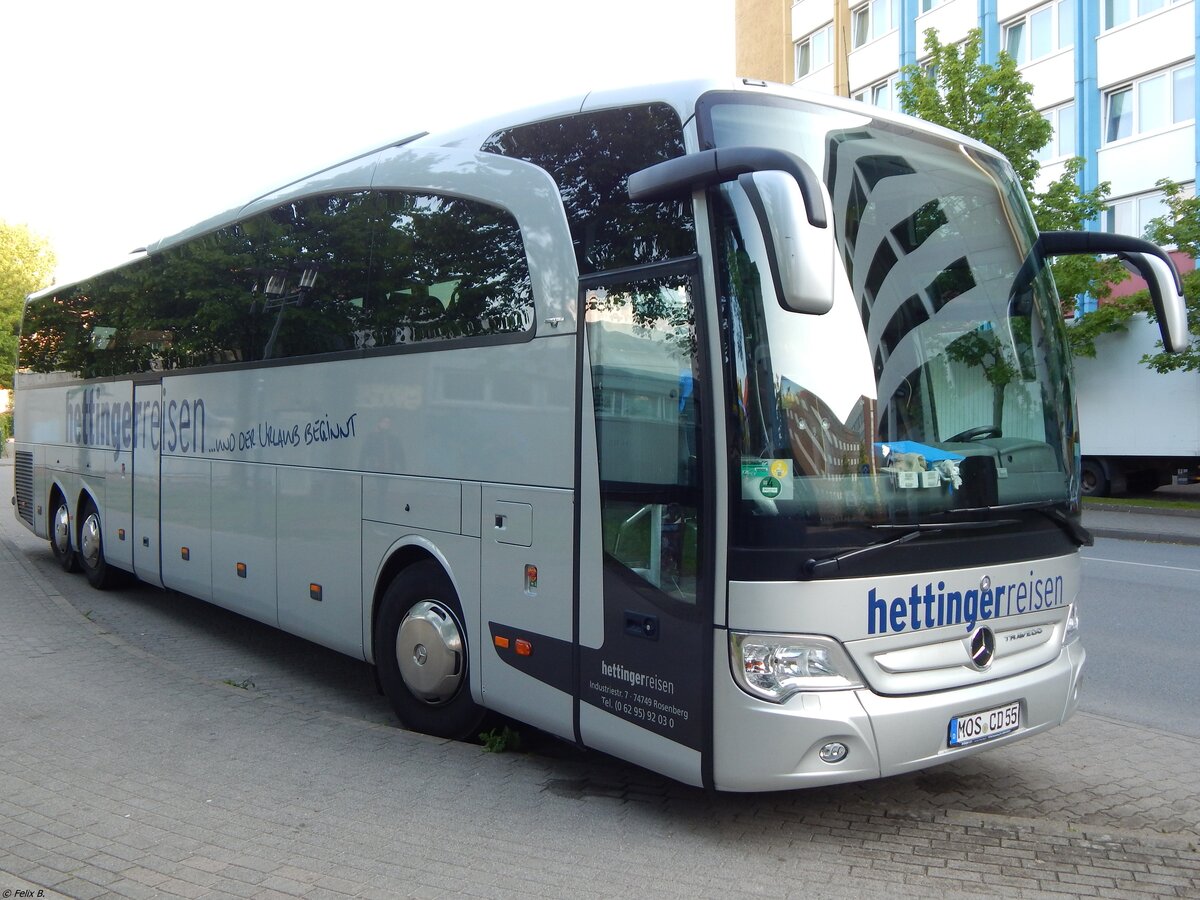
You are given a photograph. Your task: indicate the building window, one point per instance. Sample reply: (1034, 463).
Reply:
(1062, 142)
(1118, 115)
(1183, 93)
(1133, 215)
(1118, 12)
(814, 51)
(1041, 32)
(882, 94)
(873, 20)
(1151, 103)
(927, 5)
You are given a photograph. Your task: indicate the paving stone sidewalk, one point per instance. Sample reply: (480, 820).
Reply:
(152, 745)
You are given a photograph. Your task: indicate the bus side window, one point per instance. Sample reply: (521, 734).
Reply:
(643, 352)
(590, 156)
(308, 261)
(446, 268)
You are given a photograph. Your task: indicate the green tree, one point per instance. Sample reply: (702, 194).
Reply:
(1179, 228)
(993, 104)
(26, 264)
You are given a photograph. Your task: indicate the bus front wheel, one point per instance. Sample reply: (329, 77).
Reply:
(421, 654)
(61, 541)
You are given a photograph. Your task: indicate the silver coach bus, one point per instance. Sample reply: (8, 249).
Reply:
(723, 428)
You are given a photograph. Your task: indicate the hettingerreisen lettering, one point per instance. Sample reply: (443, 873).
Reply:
(926, 606)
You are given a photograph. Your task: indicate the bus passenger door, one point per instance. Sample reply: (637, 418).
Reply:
(645, 593)
(117, 498)
(147, 558)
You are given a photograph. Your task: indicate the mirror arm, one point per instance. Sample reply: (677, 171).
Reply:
(677, 177)
(1073, 243)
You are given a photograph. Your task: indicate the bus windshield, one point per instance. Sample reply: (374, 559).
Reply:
(938, 386)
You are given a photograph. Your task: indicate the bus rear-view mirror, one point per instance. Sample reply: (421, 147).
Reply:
(1145, 258)
(1169, 305)
(801, 254)
(788, 204)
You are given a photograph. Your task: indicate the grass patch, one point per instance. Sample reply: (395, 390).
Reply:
(1141, 503)
(501, 740)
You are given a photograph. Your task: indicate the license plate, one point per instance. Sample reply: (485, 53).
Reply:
(982, 726)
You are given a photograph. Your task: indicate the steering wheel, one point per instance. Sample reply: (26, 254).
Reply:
(974, 434)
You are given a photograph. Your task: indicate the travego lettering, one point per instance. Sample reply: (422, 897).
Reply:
(929, 607)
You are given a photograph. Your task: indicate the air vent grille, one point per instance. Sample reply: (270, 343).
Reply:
(23, 484)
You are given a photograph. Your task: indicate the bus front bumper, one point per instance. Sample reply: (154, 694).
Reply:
(761, 746)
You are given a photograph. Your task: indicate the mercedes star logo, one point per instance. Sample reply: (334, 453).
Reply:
(983, 648)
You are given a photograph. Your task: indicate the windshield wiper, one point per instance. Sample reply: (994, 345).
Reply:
(1052, 510)
(815, 567)
(1071, 525)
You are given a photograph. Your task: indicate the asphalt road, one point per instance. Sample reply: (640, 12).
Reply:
(1140, 616)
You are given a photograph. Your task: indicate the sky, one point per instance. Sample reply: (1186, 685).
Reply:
(125, 121)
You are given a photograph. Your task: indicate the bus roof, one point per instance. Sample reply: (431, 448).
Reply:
(680, 95)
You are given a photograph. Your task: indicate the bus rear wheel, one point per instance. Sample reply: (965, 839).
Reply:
(61, 541)
(421, 654)
(91, 550)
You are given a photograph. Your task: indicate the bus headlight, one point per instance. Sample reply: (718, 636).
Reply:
(1071, 632)
(776, 666)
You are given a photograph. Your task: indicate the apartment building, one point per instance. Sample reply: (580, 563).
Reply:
(1116, 78)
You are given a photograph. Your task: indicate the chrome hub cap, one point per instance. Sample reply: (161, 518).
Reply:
(62, 529)
(429, 651)
(89, 541)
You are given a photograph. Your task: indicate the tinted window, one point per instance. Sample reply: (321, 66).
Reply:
(446, 268)
(52, 333)
(320, 275)
(591, 157)
(305, 273)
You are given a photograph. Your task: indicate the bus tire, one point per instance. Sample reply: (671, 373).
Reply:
(421, 654)
(61, 541)
(91, 549)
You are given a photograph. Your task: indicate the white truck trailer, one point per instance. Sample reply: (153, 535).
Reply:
(1139, 429)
